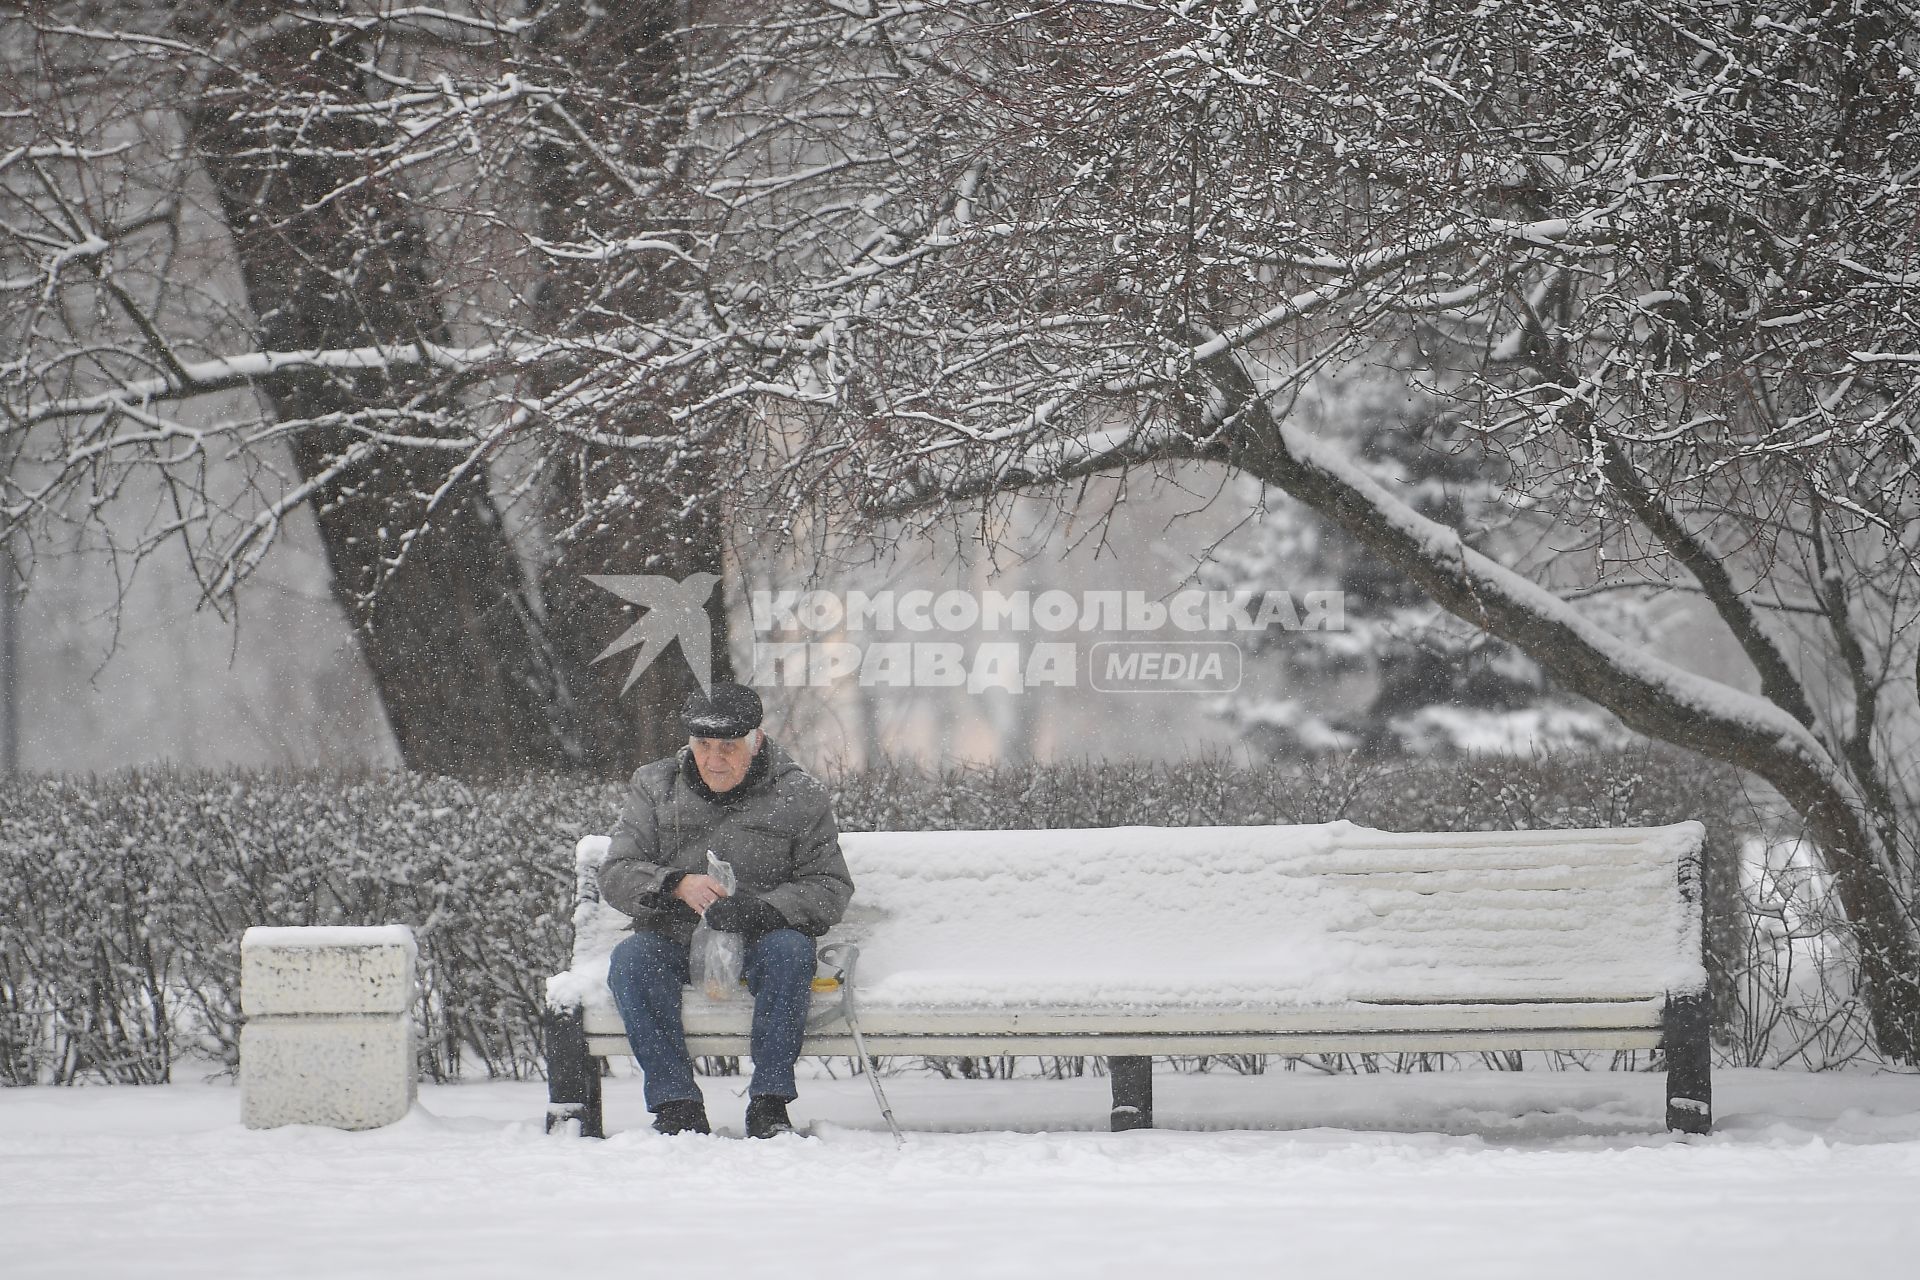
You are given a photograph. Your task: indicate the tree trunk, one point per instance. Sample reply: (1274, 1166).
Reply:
(614, 511)
(332, 256)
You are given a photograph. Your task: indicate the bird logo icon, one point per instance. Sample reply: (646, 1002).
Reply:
(675, 610)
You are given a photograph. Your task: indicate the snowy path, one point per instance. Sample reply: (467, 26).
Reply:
(1463, 1174)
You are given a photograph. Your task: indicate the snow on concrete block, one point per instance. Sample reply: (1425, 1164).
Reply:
(329, 1035)
(346, 1072)
(332, 969)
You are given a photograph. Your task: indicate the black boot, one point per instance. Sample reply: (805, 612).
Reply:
(689, 1116)
(767, 1117)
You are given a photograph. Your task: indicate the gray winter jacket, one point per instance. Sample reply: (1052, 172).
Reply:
(776, 829)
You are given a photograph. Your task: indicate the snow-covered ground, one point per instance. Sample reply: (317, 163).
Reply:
(1290, 1174)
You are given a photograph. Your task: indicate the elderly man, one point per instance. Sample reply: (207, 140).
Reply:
(731, 791)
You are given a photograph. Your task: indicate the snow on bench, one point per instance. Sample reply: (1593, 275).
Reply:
(1132, 942)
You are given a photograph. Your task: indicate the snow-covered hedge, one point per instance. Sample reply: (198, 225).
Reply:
(122, 900)
(1639, 786)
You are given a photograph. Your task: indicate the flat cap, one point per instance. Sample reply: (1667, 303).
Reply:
(729, 711)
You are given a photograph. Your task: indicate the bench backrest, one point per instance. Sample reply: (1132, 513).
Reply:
(1197, 917)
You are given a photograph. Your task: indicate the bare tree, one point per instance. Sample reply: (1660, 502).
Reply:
(926, 255)
(1656, 256)
(399, 190)
(335, 255)
(615, 225)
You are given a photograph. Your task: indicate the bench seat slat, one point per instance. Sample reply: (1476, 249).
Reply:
(1494, 908)
(1558, 878)
(1128, 1044)
(731, 1019)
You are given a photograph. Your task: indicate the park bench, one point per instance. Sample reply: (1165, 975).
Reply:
(1137, 942)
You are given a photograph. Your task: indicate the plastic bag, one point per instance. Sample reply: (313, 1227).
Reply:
(718, 958)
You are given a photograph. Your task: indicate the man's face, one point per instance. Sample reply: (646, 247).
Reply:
(723, 761)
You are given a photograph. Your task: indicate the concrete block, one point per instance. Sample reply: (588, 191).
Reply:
(347, 1072)
(330, 970)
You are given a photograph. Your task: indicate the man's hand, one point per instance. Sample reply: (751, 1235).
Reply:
(699, 892)
(745, 914)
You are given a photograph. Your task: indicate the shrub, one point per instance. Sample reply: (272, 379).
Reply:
(123, 899)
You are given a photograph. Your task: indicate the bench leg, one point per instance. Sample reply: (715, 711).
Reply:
(1688, 1042)
(1132, 1093)
(573, 1074)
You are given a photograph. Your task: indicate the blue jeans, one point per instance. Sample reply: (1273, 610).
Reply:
(646, 976)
